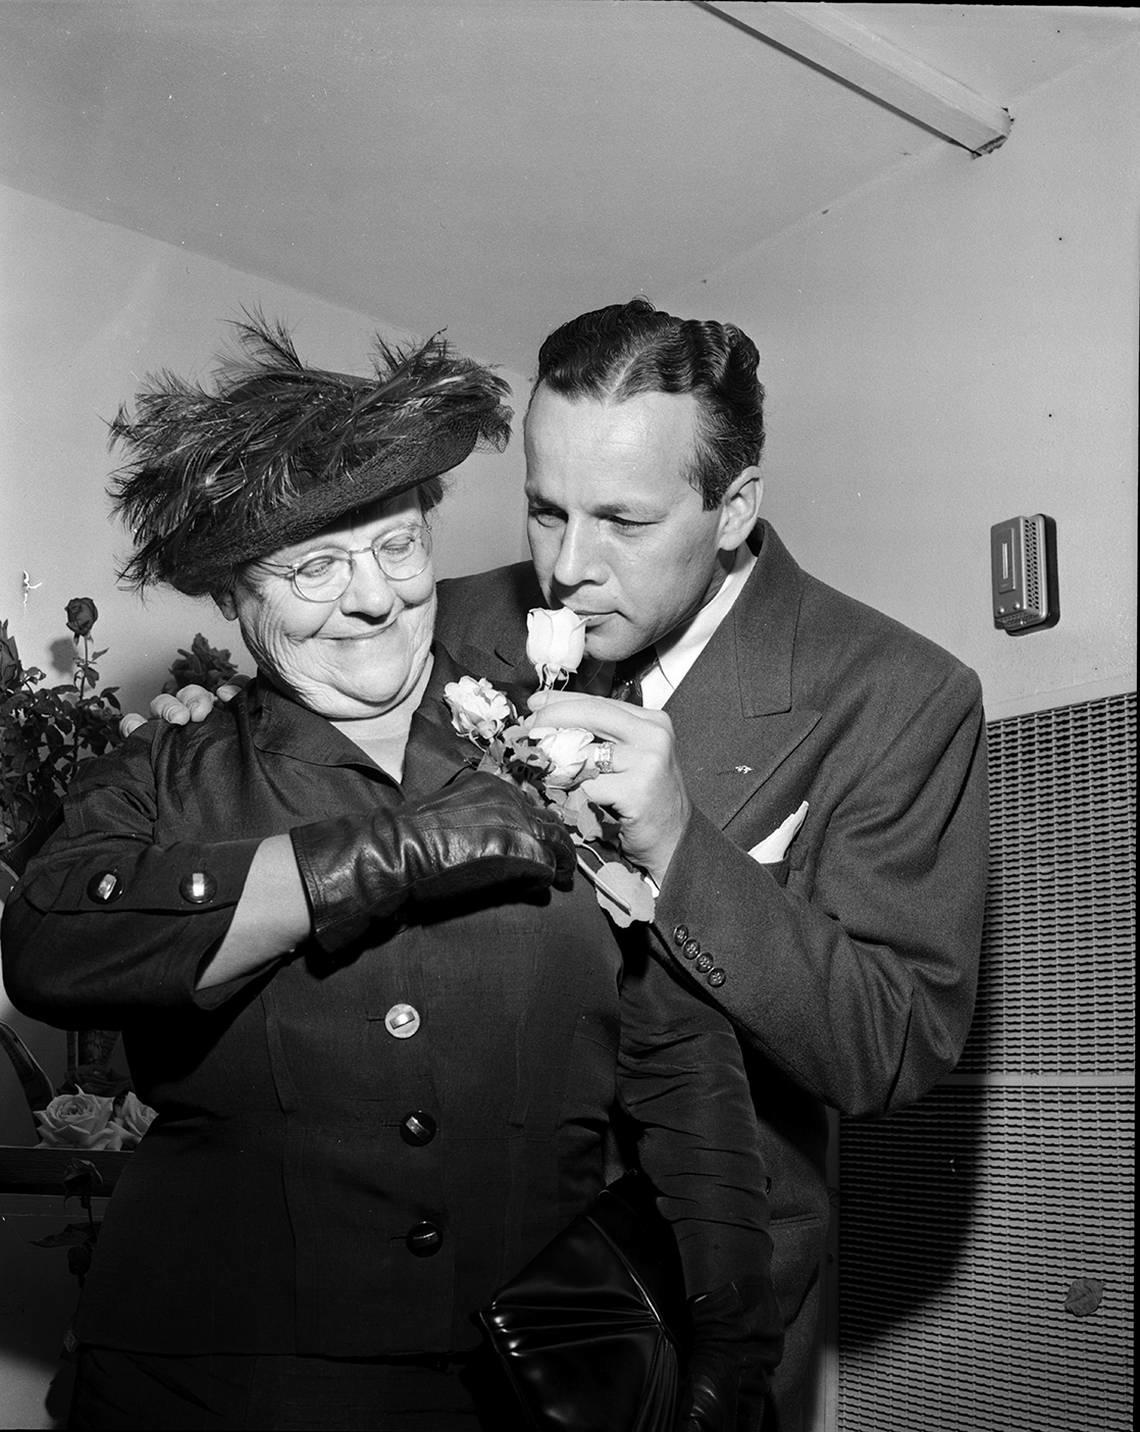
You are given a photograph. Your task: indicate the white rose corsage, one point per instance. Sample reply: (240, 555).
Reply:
(551, 764)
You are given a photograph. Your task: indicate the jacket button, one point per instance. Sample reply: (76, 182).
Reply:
(402, 1021)
(704, 964)
(680, 934)
(717, 978)
(198, 888)
(417, 1128)
(104, 887)
(691, 949)
(423, 1240)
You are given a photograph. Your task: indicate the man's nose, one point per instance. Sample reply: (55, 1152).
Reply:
(369, 591)
(577, 556)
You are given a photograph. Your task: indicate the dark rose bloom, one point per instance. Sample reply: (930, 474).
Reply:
(82, 614)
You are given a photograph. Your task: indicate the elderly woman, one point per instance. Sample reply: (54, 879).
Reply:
(384, 1028)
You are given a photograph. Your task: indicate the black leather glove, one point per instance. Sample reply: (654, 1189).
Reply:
(479, 831)
(737, 1339)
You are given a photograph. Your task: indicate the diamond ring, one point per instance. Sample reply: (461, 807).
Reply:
(604, 758)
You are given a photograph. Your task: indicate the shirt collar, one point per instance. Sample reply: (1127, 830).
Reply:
(677, 652)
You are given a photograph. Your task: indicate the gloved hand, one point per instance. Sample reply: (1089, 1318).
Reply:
(737, 1339)
(479, 831)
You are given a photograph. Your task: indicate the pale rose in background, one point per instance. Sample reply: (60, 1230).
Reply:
(79, 1121)
(133, 1117)
(570, 751)
(555, 642)
(477, 709)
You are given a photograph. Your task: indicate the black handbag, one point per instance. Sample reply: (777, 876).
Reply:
(589, 1334)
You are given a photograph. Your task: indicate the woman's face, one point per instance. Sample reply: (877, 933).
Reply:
(359, 655)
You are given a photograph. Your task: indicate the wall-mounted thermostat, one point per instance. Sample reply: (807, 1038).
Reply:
(1023, 565)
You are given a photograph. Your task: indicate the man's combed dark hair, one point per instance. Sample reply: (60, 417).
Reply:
(617, 352)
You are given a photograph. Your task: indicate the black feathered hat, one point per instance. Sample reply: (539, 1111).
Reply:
(278, 451)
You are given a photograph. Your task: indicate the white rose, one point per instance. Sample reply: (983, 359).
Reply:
(79, 1121)
(569, 751)
(477, 709)
(133, 1117)
(555, 642)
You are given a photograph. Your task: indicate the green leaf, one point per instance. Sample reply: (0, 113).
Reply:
(581, 815)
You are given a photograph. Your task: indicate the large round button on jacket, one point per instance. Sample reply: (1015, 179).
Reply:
(417, 1128)
(402, 1021)
(423, 1239)
(198, 888)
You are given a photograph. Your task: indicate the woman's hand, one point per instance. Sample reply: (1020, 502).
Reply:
(478, 832)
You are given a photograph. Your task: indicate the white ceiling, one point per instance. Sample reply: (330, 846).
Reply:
(489, 165)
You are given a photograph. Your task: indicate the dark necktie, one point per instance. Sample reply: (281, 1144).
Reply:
(627, 677)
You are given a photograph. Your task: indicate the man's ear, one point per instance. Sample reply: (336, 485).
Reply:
(224, 601)
(740, 508)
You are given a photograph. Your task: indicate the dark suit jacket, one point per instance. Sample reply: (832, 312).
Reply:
(850, 967)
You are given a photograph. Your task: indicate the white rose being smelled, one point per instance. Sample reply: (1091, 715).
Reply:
(477, 709)
(555, 642)
(570, 751)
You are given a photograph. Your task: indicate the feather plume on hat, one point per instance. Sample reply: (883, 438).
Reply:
(279, 451)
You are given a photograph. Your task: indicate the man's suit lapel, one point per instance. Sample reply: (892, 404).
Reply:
(734, 714)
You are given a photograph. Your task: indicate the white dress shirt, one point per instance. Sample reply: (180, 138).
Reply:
(677, 652)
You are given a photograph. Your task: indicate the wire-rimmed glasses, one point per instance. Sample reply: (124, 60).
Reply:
(325, 576)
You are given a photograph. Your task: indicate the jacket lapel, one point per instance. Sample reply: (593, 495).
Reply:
(435, 752)
(734, 715)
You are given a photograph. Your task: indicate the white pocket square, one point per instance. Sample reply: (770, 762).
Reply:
(775, 846)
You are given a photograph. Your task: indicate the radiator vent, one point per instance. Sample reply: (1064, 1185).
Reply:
(1056, 993)
(966, 1226)
(985, 1236)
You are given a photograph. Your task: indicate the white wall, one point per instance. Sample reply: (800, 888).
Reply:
(957, 345)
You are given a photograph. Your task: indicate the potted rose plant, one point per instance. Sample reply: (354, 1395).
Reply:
(48, 732)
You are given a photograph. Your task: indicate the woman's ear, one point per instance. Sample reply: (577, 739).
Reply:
(224, 601)
(740, 508)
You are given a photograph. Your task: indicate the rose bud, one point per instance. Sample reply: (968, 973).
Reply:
(555, 642)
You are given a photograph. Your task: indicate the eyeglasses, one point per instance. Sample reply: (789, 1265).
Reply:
(325, 576)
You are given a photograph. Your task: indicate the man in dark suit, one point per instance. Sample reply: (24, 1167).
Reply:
(805, 779)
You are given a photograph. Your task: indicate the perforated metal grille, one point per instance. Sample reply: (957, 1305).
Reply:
(1032, 569)
(963, 1226)
(966, 1223)
(1057, 992)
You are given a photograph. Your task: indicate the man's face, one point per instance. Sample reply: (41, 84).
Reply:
(616, 531)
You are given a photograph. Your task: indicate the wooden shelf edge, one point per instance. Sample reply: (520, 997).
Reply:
(32, 1170)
